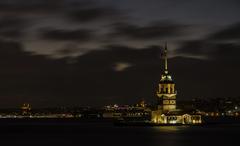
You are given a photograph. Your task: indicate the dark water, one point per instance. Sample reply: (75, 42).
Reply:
(106, 134)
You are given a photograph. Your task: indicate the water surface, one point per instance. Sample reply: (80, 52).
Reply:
(106, 134)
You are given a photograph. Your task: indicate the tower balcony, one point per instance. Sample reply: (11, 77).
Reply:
(166, 92)
(169, 95)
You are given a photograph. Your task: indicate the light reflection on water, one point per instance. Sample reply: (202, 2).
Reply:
(220, 135)
(109, 135)
(169, 135)
(171, 128)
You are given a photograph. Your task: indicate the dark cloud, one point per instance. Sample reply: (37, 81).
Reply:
(82, 35)
(13, 33)
(111, 74)
(204, 78)
(27, 77)
(19, 7)
(68, 49)
(12, 27)
(89, 80)
(226, 51)
(211, 50)
(10, 48)
(230, 33)
(12, 22)
(219, 45)
(152, 31)
(92, 79)
(94, 14)
(194, 47)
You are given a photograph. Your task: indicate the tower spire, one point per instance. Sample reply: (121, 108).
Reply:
(165, 59)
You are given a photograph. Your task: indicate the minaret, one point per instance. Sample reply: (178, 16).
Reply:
(166, 92)
(165, 59)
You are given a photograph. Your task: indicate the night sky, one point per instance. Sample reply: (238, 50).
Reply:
(79, 53)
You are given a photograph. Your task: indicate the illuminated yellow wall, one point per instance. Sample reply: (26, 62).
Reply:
(166, 88)
(167, 95)
(167, 107)
(160, 118)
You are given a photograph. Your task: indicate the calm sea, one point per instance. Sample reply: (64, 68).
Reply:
(106, 134)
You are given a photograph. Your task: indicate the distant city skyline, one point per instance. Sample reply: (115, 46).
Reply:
(81, 52)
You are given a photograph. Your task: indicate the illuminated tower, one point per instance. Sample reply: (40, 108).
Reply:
(166, 91)
(26, 108)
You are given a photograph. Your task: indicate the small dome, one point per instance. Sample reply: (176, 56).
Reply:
(166, 78)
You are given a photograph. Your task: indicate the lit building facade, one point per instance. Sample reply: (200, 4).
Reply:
(176, 117)
(167, 112)
(166, 90)
(26, 108)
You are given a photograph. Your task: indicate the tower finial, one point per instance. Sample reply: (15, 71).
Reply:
(165, 59)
